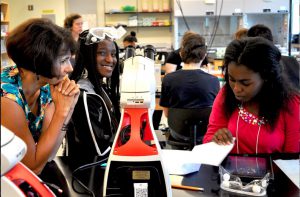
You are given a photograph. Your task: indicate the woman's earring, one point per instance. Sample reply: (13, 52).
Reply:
(84, 74)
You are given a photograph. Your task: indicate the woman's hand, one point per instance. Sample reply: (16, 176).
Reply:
(68, 87)
(76, 96)
(223, 136)
(65, 96)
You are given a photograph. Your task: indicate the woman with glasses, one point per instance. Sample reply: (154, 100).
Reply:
(95, 117)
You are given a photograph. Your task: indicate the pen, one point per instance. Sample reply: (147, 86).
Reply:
(188, 187)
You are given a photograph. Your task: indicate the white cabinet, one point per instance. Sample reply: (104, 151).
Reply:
(200, 8)
(227, 7)
(192, 8)
(230, 7)
(215, 36)
(219, 28)
(258, 6)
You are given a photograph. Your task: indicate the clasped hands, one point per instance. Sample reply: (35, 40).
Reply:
(65, 95)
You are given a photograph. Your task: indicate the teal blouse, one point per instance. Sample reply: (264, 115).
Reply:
(11, 88)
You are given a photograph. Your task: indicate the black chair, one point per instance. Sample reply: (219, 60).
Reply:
(187, 127)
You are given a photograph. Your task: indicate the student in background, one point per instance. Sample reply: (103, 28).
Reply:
(130, 40)
(257, 105)
(260, 30)
(37, 97)
(73, 22)
(240, 33)
(173, 61)
(189, 87)
(289, 64)
(96, 115)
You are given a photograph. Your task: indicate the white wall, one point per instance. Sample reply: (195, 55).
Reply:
(199, 7)
(88, 11)
(60, 8)
(19, 10)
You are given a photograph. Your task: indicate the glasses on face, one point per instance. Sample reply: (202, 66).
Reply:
(98, 34)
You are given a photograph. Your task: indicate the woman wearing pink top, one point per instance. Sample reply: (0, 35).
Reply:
(257, 105)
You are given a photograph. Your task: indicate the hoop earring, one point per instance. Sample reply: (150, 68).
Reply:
(84, 73)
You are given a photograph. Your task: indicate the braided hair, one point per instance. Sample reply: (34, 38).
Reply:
(86, 58)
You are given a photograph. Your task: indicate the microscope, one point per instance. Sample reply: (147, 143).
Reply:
(135, 166)
(16, 179)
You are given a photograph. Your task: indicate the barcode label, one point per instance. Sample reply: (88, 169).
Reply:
(140, 189)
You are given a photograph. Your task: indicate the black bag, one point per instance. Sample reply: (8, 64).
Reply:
(92, 127)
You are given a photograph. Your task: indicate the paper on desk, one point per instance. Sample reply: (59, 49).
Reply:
(291, 169)
(176, 179)
(182, 162)
(177, 162)
(211, 153)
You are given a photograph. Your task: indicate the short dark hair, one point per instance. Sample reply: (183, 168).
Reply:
(131, 37)
(261, 56)
(35, 45)
(193, 48)
(260, 30)
(68, 22)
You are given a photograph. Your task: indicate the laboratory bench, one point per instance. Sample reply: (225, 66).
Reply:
(61, 172)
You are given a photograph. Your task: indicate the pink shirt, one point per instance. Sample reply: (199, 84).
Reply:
(284, 138)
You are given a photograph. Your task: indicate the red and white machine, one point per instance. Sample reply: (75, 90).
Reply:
(16, 179)
(135, 166)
